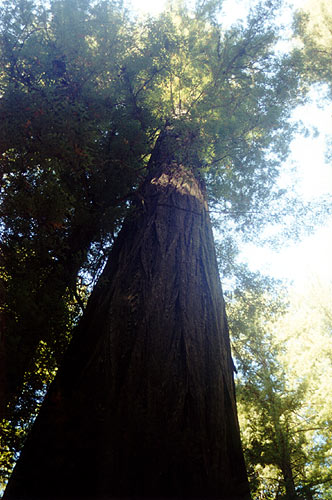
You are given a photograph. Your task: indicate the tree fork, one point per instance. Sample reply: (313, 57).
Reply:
(144, 405)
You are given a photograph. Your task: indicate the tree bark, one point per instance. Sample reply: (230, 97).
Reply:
(144, 405)
(287, 473)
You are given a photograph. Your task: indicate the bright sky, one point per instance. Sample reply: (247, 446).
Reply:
(313, 255)
(314, 177)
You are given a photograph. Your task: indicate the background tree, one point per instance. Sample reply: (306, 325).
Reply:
(283, 404)
(308, 359)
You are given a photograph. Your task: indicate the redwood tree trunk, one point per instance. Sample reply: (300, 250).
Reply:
(144, 406)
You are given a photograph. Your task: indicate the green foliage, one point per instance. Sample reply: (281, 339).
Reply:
(63, 169)
(314, 28)
(283, 356)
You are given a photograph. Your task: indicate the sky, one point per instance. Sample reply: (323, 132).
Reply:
(310, 258)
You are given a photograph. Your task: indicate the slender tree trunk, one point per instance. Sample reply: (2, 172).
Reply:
(289, 480)
(282, 443)
(144, 406)
(3, 371)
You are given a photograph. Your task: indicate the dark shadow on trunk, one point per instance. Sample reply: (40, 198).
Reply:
(144, 406)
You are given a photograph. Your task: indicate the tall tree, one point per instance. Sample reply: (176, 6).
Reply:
(225, 94)
(266, 402)
(147, 387)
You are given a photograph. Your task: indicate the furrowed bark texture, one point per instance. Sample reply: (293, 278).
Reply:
(144, 405)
